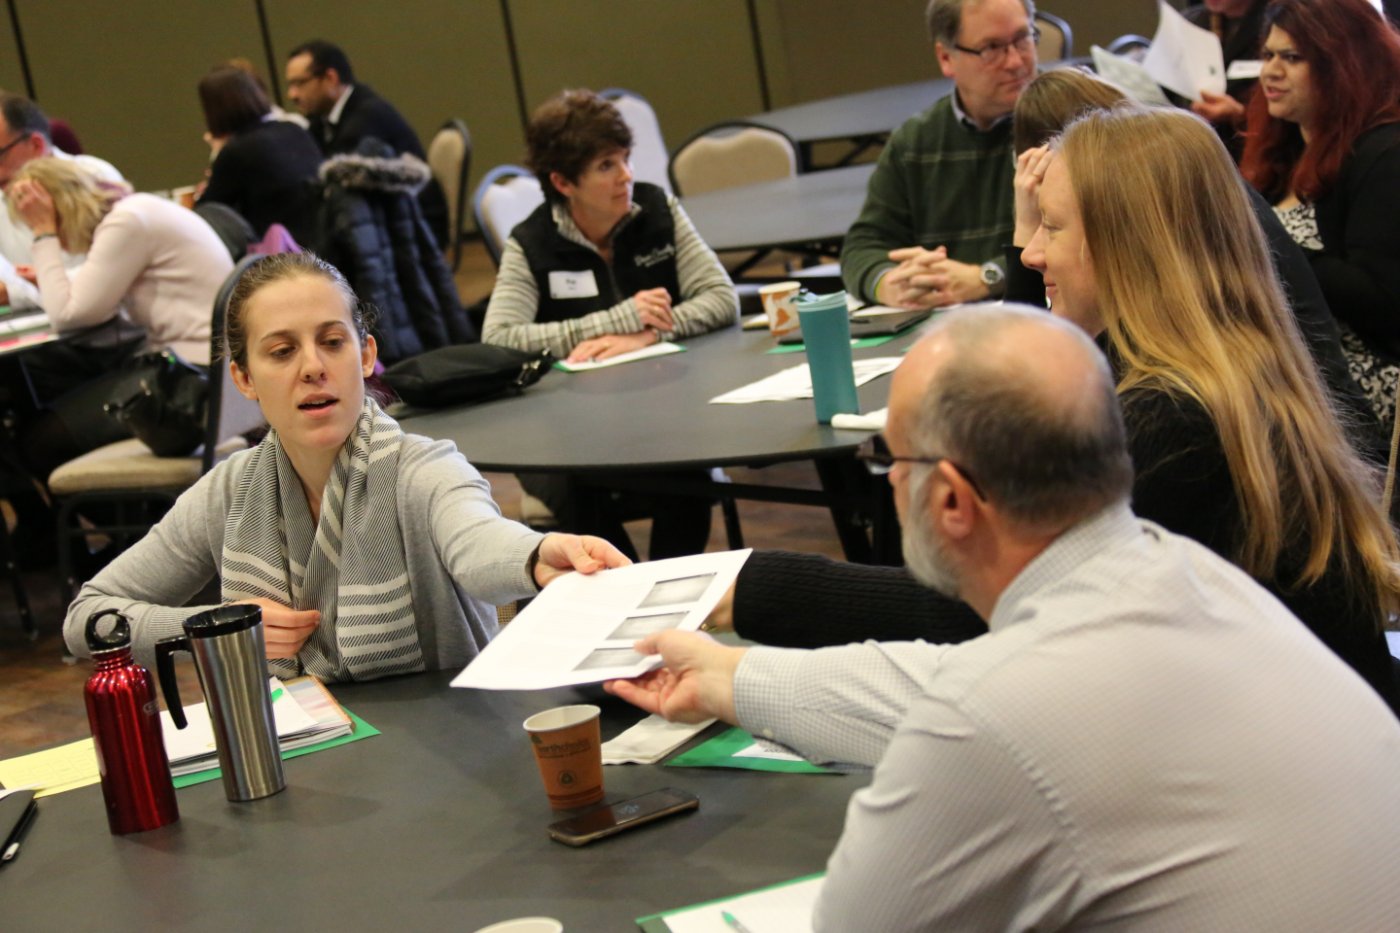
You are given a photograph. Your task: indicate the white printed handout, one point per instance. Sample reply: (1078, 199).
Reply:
(663, 348)
(1185, 58)
(1128, 75)
(580, 629)
(796, 382)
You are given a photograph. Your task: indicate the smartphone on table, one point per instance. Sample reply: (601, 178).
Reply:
(613, 818)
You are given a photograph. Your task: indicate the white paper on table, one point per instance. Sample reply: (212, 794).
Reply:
(870, 421)
(650, 740)
(580, 629)
(761, 748)
(1184, 57)
(1128, 75)
(656, 349)
(796, 382)
(197, 738)
(783, 909)
(22, 322)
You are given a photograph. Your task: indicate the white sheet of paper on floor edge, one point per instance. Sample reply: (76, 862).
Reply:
(580, 629)
(1184, 57)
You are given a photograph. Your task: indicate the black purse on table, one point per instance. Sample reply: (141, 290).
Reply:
(468, 372)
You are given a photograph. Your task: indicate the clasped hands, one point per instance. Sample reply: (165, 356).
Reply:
(653, 310)
(927, 278)
(285, 629)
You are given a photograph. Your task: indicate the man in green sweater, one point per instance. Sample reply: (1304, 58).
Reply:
(939, 208)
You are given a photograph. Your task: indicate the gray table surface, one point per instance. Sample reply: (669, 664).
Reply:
(437, 823)
(813, 210)
(653, 414)
(852, 116)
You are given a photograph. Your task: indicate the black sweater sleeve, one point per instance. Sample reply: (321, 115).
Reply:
(805, 601)
(1359, 264)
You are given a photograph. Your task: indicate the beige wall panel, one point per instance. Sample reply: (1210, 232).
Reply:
(11, 75)
(819, 48)
(432, 59)
(1099, 22)
(692, 59)
(828, 47)
(124, 75)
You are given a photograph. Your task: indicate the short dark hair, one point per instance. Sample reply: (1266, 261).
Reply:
(944, 18)
(570, 130)
(232, 101)
(1044, 461)
(325, 55)
(23, 116)
(276, 268)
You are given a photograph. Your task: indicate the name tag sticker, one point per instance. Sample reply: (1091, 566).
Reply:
(1240, 69)
(573, 284)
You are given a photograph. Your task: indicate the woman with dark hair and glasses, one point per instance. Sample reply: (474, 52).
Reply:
(263, 167)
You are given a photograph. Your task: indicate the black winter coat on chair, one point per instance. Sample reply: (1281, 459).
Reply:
(371, 228)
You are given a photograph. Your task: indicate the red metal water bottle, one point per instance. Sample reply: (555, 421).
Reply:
(125, 721)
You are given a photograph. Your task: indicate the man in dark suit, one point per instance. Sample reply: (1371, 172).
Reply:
(321, 85)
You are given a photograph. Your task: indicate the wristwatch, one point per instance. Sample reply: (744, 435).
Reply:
(992, 275)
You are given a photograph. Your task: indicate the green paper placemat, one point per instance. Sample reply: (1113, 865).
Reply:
(859, 344)
(719, 752)
(363, 730)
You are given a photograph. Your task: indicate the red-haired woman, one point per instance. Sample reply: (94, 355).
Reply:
(1323, 145)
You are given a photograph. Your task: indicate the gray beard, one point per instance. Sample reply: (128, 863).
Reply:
(924, 554)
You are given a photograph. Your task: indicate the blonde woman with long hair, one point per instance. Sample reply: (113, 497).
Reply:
(161, 263)
(1147, 239)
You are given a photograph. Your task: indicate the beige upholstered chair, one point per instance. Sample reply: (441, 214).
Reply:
(648, 145)
(731, 154)
(450, 158)
(1056, 38)
(505, 197)
(728, 155)
(139, 484)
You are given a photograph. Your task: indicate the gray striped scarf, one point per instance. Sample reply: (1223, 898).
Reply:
(350, 565)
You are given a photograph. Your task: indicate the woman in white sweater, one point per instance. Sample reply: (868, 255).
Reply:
(149, 262)
(159, 261)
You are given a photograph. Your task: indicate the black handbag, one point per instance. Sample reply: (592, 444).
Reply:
(164, 403)
(468, 372)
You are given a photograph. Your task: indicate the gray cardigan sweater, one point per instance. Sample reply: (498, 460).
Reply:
(463, 558)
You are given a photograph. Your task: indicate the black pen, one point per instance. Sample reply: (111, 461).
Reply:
(17, 837)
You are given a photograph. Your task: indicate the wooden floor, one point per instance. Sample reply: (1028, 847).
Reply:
(41, 697)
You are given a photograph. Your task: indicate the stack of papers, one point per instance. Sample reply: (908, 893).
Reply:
(796, 382)
(302, 710)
